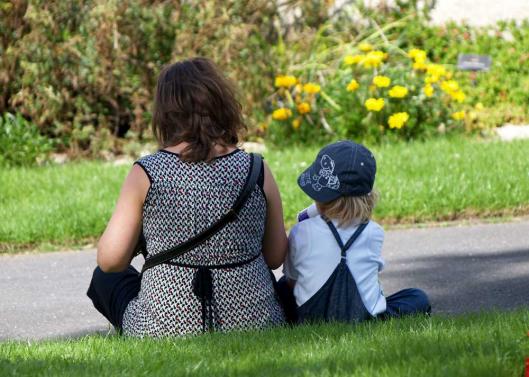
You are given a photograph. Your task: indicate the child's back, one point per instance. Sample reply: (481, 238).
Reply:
(314, 254)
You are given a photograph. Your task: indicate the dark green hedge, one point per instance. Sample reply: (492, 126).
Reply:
(83, 70)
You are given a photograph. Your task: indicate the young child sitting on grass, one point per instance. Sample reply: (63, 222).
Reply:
(335, 249)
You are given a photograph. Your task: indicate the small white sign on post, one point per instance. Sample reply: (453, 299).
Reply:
(472, 62)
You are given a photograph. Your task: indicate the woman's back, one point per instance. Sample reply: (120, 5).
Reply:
(225, 282)
(184, 199)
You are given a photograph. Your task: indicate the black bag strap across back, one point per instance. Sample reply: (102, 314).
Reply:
(251, 180)
(349, 242)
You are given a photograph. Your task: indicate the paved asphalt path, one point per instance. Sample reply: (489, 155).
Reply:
(463, 268)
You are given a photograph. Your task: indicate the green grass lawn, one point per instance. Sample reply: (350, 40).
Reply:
(419, 182)
(492, 344)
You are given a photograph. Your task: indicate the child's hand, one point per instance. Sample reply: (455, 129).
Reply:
(307, 213)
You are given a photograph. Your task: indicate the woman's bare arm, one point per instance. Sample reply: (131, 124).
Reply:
(275, 243)
(115, 248)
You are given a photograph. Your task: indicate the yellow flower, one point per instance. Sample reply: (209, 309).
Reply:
(296, 123)
(281, 114)
(262, 127)
(459, 115)
(431, 79)
(311, 88)
(450, 86)
(365, 47)
(436, 70)
(304, 108)
(353, 59)
(428, 90)
(374, 104)
(373, 59)
(421, 58)
(419, 66)
(397, 120)
(458, 96)
(418, 55)
(283, 81)
(381, 81)
(398, 92)
(353, 85)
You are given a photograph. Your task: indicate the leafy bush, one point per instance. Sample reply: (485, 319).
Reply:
(502, 94)
(20, 142)
(84, 71)
(372, 93)
(490, 101)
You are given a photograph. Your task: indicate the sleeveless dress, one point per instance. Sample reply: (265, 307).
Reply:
(185, 198)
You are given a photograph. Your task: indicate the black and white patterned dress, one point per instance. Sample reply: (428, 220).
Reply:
(184, 199)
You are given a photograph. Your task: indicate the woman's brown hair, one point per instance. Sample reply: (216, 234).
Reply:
(196, 104)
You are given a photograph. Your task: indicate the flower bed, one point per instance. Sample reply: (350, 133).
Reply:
(372, 93)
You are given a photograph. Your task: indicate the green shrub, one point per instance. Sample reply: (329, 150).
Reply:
(20, 142)
(502, 94)
(493, 98)
(373, 93)
(82, 70)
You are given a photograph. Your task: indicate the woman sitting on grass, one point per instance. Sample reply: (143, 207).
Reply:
(173, 195)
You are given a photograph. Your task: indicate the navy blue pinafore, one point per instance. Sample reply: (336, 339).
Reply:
(338, 299)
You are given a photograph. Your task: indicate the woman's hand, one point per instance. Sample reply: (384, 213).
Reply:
(275, 243)
(117, 244)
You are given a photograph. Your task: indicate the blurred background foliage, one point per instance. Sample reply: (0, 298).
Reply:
(83, 71)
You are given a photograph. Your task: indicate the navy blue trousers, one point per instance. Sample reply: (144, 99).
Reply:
(111, 292)
(405, 302)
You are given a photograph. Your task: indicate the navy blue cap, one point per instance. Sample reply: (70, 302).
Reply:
(343, 168)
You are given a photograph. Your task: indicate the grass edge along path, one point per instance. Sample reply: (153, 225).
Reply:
(486, 344)
(470, 218)
(436, 180)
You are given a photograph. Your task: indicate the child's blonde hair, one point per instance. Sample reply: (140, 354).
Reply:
(347, 209)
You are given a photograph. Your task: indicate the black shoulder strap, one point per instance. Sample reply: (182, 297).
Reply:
(349, 242)
(335, 233)
(178, 250)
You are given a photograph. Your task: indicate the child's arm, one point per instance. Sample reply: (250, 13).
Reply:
(307, 213)
(289, 267)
